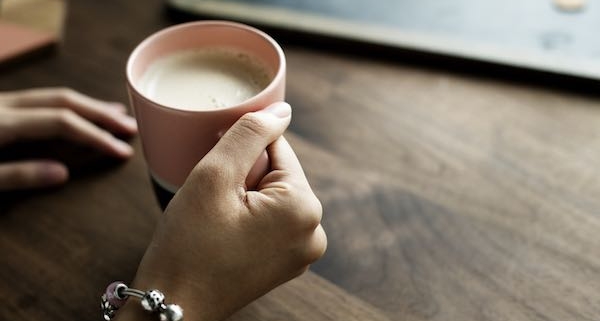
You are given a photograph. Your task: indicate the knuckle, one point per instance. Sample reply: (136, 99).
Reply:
(303, 210)
(318, 245)
(65, 94)
(206, 170)
(285, 192)
(65, 115)
(209, 173)
(309, 211)
(65, 118)
(314, 211)
(250, 124)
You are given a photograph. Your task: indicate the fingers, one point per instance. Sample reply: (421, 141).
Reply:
(286, 189)
(284, 158)
(317, 245)
(314, 248)
(261, 168)
(285, 170)
(50, 122)
(110, 115)
(31, 174)
(244, 142)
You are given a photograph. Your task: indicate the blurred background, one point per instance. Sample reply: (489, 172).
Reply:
(556, 37)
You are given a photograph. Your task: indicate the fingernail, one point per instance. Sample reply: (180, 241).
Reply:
(130, 123)
(123, 148)
(118, 106)
(51, 173)
(279, 109)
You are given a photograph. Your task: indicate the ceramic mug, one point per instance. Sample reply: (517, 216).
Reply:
(174, 140)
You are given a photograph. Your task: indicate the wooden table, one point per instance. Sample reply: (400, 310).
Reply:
(447, 196)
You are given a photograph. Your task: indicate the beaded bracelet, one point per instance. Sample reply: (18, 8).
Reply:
(153, 301)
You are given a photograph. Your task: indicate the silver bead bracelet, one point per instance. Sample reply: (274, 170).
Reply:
(117, 293)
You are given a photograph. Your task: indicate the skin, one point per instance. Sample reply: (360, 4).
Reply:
(220, 246)
(58, 113)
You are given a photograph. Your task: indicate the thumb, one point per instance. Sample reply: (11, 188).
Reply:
(31, 174)
(241, 146)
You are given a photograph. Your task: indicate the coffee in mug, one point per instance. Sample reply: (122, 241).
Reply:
(205, 78)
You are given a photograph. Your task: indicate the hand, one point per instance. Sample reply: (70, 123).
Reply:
(58, 112)
(219, 246)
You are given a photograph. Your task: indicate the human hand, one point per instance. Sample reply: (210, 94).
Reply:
(219, 246)
(58, 113)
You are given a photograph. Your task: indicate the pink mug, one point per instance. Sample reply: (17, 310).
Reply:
(174, 140)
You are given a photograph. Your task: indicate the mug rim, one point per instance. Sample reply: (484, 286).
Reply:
(279, 74)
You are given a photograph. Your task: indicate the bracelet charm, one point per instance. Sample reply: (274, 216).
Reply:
(117, 293)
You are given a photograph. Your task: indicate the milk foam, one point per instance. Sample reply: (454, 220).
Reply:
(203, 79)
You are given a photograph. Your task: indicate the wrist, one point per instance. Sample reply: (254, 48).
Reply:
(182, 294)
(135, 310)
(153, 296)
(132, 311)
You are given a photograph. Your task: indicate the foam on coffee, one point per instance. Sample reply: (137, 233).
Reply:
(202, 79)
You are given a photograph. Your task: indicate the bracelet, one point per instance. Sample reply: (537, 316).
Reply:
(153, 301)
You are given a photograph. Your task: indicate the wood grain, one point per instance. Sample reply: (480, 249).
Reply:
(452, 197)
(447, 196)
(59, 248)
